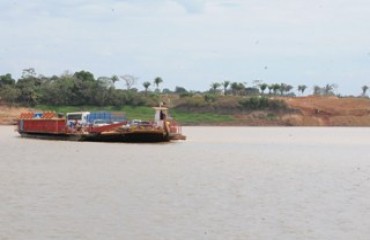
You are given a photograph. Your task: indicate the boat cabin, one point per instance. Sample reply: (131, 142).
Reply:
(77, 117)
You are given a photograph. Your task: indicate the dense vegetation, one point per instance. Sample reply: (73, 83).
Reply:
(81, 89)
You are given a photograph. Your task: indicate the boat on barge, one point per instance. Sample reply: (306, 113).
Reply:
(99, 127)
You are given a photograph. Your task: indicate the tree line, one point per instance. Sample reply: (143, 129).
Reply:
(82, 88)
(283, 89)
(79, 88)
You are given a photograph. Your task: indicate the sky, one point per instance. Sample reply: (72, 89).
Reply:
(192, 43)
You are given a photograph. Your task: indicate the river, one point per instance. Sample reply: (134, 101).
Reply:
(222, 183)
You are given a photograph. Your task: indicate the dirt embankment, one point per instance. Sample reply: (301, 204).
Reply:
(328, 111)
(8, 115)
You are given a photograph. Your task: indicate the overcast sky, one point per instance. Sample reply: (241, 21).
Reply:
(192, 43)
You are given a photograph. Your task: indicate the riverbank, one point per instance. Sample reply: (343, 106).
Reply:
(328, 111)
(9, 115)
(301, 111)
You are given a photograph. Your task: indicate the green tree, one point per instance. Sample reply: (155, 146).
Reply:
(263, 87)
(276, 87)
(285, 88)
(85, 90)
(84, 76)
(302, 88)
(225, 85)
(364, 90)
(329, 89)
(214, 87)
(6, 80)
(146, 86)
(105, 82)
(317, 90)
(180, 90)
(66, 90)
(166, 90)
(157, 81)
(270, 88)
(92, 93)
(237, 88)
(29, 91)
(102, 91)
(115, 79)
(9, 94)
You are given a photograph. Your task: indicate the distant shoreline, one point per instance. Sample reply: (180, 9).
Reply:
(302, 111)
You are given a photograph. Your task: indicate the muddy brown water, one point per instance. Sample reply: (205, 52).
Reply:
(222, 183)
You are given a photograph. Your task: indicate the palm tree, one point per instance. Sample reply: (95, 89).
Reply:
(225, 85)
(237, 88)
(287, 88)
(317, 90)
(146, 86)
(302, 88)
(234, 88)
(364, 90)
(276, 87)
(158, 81)
(329, 88)
(270, 88)
(114, 79)
(215, 86)
(263, 87)
(283, 88)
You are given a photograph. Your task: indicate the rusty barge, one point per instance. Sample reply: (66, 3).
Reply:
(100, 127)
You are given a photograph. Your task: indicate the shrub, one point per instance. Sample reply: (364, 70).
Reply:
(210, 98)
(262, 103)
(254, 103)
(277, 105)
(186, 94)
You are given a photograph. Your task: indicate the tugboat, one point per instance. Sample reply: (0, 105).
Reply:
(100, 127)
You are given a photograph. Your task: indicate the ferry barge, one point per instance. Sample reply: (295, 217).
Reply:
(99, 126)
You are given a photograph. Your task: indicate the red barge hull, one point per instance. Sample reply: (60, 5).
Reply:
(42, 126)
(56, 129)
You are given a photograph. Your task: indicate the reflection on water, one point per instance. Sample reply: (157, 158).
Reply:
(222, 183)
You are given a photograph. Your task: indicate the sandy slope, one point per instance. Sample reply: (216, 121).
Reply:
(328, 111)
(8, 115)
